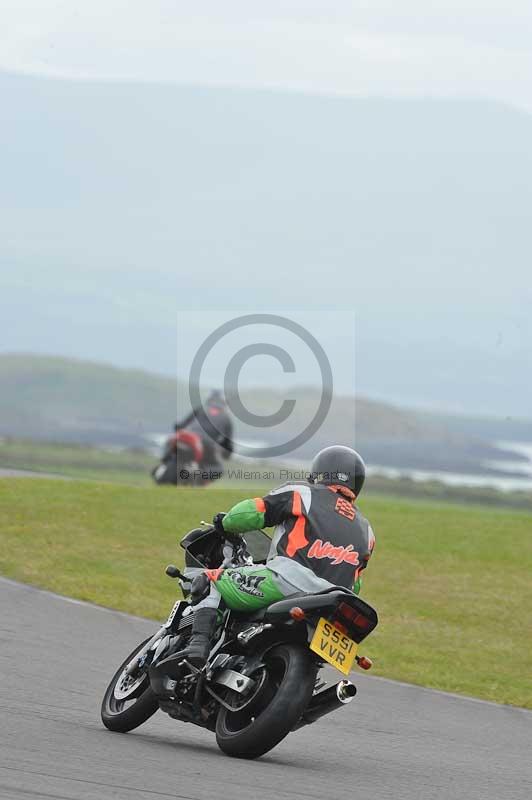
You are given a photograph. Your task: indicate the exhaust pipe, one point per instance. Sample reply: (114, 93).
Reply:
(324, 702)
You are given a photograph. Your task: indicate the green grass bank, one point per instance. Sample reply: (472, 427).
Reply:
(451, 583)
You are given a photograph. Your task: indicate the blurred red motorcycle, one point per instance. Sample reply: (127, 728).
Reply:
(180, 462)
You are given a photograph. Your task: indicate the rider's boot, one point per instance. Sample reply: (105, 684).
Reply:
(203, 627)
(164, 674)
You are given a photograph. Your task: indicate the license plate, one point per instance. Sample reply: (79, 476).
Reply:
(334, 646)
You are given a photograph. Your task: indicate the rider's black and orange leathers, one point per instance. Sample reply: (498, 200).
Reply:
(316, 527)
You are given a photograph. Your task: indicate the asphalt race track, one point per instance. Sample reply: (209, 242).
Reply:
(393, 741)
(7, 472)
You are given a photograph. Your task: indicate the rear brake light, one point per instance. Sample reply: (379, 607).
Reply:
(353, 616)
(340, 626)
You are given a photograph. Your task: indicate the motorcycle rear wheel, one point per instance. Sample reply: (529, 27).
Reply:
(261, 725)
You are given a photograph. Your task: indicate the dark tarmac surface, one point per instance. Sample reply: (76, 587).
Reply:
(393, 741)
(7, 472)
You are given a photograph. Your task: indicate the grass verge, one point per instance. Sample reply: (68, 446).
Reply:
(451, 583)
(78, 461)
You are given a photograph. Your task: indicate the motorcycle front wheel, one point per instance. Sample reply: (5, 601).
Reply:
(283, 694)
(165, 473)
(129, 700)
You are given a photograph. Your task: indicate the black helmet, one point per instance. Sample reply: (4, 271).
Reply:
(339, 466)
(216, 398)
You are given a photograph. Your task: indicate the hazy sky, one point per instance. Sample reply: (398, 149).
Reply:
(118, 200)
(459, 48)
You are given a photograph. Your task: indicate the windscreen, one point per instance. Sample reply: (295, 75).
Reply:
(258, 545)
(205, 551)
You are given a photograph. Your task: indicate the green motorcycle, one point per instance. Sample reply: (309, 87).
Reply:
(261, 679)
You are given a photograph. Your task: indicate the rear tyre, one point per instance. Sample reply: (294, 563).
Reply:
(128, 702)
(285, 693)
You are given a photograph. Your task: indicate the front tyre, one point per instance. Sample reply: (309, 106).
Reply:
(165, 472)
(128, 701)
(284, 694)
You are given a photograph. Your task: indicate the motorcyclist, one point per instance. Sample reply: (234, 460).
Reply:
(320, 540)
(212, 429)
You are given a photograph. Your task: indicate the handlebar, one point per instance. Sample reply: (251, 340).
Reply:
(236, 553)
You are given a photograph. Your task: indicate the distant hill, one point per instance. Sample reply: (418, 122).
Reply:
(509, 429)
(68, 400)
(63, 399)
